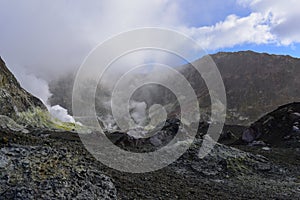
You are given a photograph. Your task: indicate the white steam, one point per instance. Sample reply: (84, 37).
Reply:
(138, 112)
(146, 119)
(60, 113)
(33, 84)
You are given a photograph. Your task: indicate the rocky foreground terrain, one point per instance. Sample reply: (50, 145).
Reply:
(45, 159)
(47, 164)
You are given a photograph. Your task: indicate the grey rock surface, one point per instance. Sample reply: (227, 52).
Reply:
(35, 172)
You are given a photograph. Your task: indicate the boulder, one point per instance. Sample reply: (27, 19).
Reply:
(249, 135)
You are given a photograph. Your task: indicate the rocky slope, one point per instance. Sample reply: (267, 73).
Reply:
(13, 98)
(20, 110)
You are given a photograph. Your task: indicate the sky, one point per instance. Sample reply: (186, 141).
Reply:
(40, 40)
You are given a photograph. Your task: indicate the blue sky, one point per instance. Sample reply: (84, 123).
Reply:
(293, 50)
(206, 13)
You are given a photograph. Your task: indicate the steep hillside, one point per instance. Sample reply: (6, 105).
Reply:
(13, 98)
(20, 109)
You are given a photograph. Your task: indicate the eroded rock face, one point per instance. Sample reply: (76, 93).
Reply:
(36, 172)
(13, 98)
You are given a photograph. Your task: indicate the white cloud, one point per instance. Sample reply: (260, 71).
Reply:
(232, 31)
(116, 16)
(50, 36)
(284, 16)
(270, 22)
(42, 40)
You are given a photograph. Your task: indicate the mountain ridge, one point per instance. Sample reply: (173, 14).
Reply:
(255, 83)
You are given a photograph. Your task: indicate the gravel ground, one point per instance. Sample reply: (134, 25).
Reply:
(238, 175)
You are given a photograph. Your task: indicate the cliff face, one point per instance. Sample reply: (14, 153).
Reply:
(13, 98)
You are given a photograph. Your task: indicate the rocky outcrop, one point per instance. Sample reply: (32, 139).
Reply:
(278, 128)
(13, 98)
